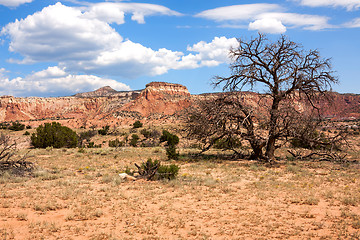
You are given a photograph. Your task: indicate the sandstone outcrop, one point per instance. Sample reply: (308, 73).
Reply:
(160, 98)
(159, 101)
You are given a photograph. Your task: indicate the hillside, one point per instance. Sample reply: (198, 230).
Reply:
(158, 102)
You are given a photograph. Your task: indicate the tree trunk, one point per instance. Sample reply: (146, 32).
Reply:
(274, 115)
(270, 149)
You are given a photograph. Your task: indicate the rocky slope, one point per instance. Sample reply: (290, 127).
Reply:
(160, 98)
(108, 92)
(157, 102)
(105, 106)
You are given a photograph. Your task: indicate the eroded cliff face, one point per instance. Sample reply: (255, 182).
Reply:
(158, 102)
(341, 106)
(101, 107)
(160, 98)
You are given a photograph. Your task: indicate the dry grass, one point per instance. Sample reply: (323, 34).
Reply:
(78, 195)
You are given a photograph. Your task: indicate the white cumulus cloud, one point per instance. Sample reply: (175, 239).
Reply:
(81, 40)
(213, 53)
(268, 25)
(59, 33)
(54, 81)
(350, 5)
(13, 3)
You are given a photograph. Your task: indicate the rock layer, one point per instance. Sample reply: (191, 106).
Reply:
(157, 102)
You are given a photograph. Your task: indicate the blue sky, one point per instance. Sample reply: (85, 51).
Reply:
(58, 48)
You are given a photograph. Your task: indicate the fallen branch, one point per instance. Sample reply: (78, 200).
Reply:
(320, 156)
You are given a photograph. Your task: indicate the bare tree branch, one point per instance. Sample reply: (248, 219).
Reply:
(290, 75)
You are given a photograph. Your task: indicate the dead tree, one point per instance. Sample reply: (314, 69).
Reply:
(284, 70)
(9, 161)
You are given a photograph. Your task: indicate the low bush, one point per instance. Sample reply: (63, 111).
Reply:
(4, 125)
(104, 130)
(16, 126)
(85, 137)
(171, 141)
(54, 135)
(168, 171)
(150, 133)
(146, 133)
(116, 143)
(153, 170)
(137, 124)
(93, 145)
(134, 140)
(227, 143)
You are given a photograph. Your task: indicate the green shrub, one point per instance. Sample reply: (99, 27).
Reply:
(116, 143)
(137, 124)
(26, 133)
(4, 125)
(81, 150)
(104, 130)
(85, 137)
(54, 135)
(146, 133)
(16, 126)
(168, 171)
(163, 172)
(171, 141)
(227, 143)
(93, 145)
(134, 140)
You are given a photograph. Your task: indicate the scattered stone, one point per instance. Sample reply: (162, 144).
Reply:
(126, 176)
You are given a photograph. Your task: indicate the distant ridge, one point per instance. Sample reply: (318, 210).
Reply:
(106, 91)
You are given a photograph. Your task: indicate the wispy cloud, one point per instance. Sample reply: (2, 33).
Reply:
(114, 12)
(268, 18)
(238, 12)
(14, 3)
(355, 23)
(350, 5)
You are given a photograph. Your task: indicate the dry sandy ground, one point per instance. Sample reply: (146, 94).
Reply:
(78, 195)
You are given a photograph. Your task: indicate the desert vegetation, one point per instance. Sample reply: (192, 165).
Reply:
(78, 193)
(225, 169)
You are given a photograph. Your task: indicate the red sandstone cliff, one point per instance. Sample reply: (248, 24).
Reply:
(158, 101)
(160, 98)
(104, 106)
